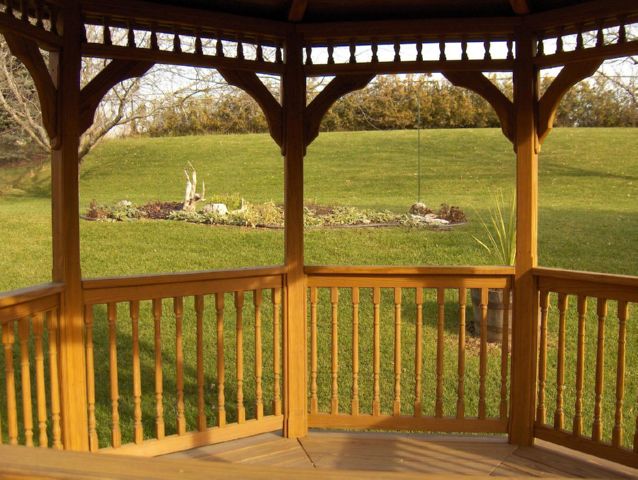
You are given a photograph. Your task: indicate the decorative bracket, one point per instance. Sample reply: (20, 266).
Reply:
(297, 10)
(114, 73)
(250, 83)
(479, 83)
(569, 76)
(28, 53)
(338, 87)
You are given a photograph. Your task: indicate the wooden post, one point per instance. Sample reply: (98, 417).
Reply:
(525, 320)
(294, 103)
(65, 68)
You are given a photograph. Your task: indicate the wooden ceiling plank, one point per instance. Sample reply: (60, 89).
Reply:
(297, 10)
(583, 13)
(95, 11)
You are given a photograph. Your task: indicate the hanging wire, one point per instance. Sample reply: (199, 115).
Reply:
(418, 148)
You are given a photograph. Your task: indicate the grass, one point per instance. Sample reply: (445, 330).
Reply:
(588, 221)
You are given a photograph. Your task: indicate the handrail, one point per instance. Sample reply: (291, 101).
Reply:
(605, 278)
(400, 270)
(23, 295)
(161, 278)
(143, 287)
(599, 285)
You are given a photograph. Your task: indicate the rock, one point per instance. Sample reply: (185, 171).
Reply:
(218, 208)
(438, 221)
(420, 209)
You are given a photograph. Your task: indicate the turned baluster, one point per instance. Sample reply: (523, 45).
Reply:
(464, 50)
(375, 52)
(440, 350)
(355, 351)
(505, 346)
(201, 405)
(442, 56)
(334, 371)
(580, 365)
(487, 45)
(24, 330)
(418, 353)
(460, 400)
(617, 432)
(199, 48)
(154, 42)
(178, 309)
(90, 376)
(559, 415)
(597, 427)
(221, 399)
(396, 405)
(308, 55)
(38, 330)
(483, 353)
(159, 382)
(130, 38)
(257, 301)
(314, 405)
(52, 327)
(353, 53)
(542, 362)
(276, 301)
(331, 51)
(177, 42)
(219, 46)
(106, 32)
(116, 436)
(239, 351)
(376, 356)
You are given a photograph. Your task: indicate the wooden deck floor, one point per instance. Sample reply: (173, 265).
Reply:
(411, 453)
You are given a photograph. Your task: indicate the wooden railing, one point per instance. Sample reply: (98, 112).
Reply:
(32, 313)
(588, 326)
(389, 350)
(192, 359)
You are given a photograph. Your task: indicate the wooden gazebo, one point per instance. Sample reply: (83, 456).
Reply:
(297, 39)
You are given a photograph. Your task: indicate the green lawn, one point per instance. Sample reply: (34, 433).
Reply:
(588, 183)
(588, 221)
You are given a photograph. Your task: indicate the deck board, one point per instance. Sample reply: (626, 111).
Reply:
(410, 453)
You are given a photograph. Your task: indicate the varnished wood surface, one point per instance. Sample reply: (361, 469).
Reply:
(448, 455)
(320, 455)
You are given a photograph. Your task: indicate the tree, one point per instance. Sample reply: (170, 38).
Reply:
(21, 108)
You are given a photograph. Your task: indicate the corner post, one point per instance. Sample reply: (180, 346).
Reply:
(294, 106)
(525, 318)
(65, 67)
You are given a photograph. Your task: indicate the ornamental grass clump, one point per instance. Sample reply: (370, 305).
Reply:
(500, 230)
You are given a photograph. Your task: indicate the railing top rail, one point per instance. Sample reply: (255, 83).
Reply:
(464, 270)
(166, 278)
(150, 287)
(23, 295)
(589, 277)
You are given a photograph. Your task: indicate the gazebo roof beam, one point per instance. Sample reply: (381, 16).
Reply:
(393, 30)
(143, 13)
(45, 39)
(382, 68)
(182, 58)
(297, 10)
